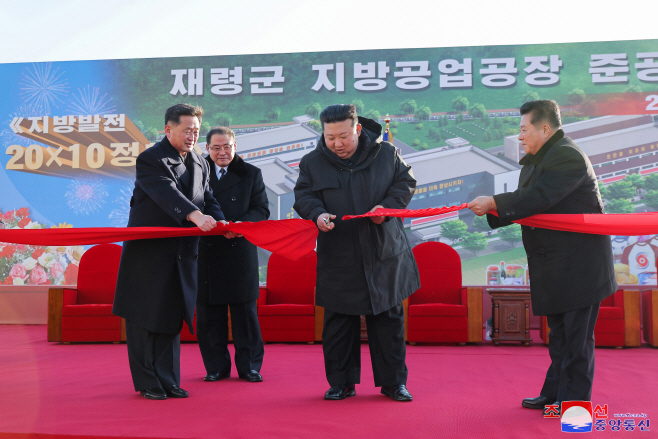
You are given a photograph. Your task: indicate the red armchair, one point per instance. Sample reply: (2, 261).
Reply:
(650, 316)
(618, 323)
(286, 306)
(442, 310)
(84, 314)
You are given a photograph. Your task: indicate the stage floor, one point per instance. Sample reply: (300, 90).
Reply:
(54, 390)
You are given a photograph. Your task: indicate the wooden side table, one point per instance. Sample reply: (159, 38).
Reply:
(511, 314)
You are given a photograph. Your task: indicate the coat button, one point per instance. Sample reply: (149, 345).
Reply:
(507, 212)
(179, 257)
(232, 198)
(196, 256)
(177, 210)
(528, 255)
(513, 212)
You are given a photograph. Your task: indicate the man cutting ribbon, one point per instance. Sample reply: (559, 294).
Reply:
(571, 273)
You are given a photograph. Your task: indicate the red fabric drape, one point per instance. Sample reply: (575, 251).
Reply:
(625, 224)
(292, 238)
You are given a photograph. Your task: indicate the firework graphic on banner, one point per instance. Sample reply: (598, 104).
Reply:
(25, 111)
(43, 86)
(86, 195)
(89, 101)
(121, 212)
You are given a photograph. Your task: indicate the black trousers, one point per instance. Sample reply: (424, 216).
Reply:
(212, 332)
(571, 347)
(154, 357)
(341, 344)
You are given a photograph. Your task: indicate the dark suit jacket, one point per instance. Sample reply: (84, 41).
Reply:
(568, 270)
(157, 282)
(228, 268)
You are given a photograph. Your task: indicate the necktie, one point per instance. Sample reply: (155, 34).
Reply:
(222, 171)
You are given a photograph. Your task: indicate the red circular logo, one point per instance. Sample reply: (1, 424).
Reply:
(642, 260)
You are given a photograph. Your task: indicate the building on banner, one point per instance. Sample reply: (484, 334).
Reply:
(616, 145)
(452, 177)
(283, 142)
(279, 179)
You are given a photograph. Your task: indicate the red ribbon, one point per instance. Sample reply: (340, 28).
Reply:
(292, 238)
(625, 224)
(295, 238)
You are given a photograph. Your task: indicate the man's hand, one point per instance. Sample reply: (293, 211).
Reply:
(205, 222)
(377, 219)
(231, 235)
(482, 205)
(324, 222)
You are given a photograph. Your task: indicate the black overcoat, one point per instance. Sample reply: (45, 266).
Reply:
(568, 270)
(157, 281)
(380, 176)
(228, 268)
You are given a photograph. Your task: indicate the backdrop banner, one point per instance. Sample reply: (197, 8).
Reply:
(71, 132)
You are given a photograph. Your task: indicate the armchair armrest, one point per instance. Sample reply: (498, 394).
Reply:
(55, 305)
(619, 298)
(632, 317)
(262, 296)
(474, 309)
(70, 296)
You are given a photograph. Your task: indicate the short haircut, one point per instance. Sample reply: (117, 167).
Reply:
(174, 113)
(339, 113)
(542, 111)
(222, 131)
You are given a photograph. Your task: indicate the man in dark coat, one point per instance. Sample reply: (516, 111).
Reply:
(365, 266)
(570, 273)
(157, 282)
(228, 268)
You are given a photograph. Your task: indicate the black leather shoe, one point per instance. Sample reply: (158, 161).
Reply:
(216, 376)
(153, 393)
(176, 392)
(537, 403)
(398, 393)
(340, 392)
(252, 376)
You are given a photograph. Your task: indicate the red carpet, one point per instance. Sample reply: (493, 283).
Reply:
(84, 390)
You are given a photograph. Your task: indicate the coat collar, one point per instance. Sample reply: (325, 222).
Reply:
(175, 160)
(536, 159)
(174, 156)
(235, 172)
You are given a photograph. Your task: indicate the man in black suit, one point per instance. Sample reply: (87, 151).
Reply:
(157, 282)
(571, 273)
(228, 268)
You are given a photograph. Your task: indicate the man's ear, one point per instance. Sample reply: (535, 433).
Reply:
(358, 129)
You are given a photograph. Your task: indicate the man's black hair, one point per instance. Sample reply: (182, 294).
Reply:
(220, 130)
(543, 111)
(339, 113)
(174, 113)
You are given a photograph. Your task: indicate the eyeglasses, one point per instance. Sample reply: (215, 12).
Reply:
(225, 148)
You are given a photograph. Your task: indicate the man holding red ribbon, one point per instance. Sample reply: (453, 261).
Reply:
(365, 266)
(157, 281)
(570, 273)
